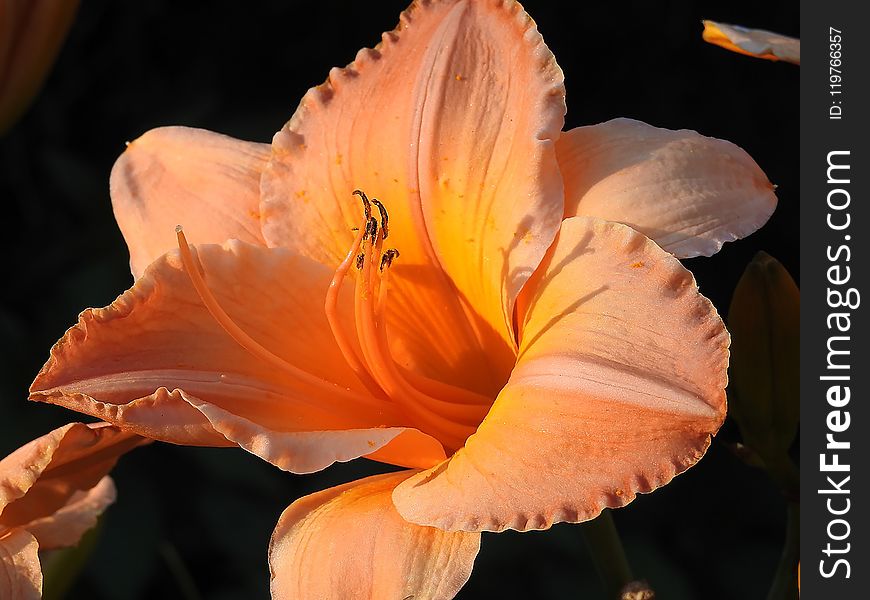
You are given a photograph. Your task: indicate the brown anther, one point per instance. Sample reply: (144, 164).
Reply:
(387, 258)
(370, 231)
(367, 206)
(384, 217)
(360, 261)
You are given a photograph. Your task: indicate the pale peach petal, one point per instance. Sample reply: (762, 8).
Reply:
(20, 572)
(160, 415)
(205, 181)
(450, 122)
(158, 363)
(40, 477)
(69, 523)
(349, 543)
(21, 469)
(409, 449)
(489, 183)
(619, 386)
(753, 42)
(688, 192)
(311, 451)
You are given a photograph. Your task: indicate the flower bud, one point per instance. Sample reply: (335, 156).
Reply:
(764, 393)
(31, 34)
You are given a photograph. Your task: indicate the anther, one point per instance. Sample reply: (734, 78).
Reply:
(384, 217)
(367, 206)
(360, 261)
(387, 257)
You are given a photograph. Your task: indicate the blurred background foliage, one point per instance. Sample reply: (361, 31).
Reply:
(192, 522)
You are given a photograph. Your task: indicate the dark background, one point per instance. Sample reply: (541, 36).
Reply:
(201, 518)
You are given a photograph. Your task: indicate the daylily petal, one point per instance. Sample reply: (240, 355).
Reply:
(120, 362)
(489, 182)
(450, 123)
(205, 181)
(68, 524)
(618, 388)
(348, 542)
(753, 42)
(20, 572)
(311, 451)
(40, 477)
(688, 192)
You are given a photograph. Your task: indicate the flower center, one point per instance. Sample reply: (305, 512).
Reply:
(447, 412)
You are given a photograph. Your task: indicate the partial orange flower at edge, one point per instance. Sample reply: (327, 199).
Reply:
(564, 363)
(753, 42)
(51, 492)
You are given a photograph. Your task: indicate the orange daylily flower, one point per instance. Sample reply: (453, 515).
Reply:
(51, 492)
(753, 42)
(484, 326)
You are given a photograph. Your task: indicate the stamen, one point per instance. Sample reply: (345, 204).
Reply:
(367, 207)
(430, 387)
(449, 413)
(387, 377)
(382, 289)
(377, 353)
(242, 338)
(384, 217)
(331, 307)
(388, 257)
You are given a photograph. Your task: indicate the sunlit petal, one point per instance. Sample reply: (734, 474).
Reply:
(619, 386)
(311, 451)
(489, 183)
(450, 123)
(158, 363)
(348, 542)
(205, 181)
(70, 522)
(40, 477)
(20, 572)
(688, 192)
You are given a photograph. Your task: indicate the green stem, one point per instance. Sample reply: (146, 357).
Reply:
(607, 554)
(784, 585)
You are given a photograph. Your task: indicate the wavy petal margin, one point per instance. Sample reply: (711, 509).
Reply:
(348, 542)
(688, 192)
(619, 386)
